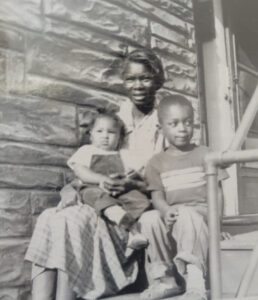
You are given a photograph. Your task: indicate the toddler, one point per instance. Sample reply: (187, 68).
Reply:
(99, 168)
(178, 186)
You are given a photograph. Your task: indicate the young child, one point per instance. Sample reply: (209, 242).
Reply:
(99, 168)
(178, 186)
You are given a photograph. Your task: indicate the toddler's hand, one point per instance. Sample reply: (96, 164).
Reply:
(170, 217)
(132, 174)
(116, 176)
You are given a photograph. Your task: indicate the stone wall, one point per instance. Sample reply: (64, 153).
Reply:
(56, 59)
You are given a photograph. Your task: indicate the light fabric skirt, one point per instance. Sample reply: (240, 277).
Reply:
(80, 243)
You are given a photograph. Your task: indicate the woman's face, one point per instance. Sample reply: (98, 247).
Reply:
(140, 84)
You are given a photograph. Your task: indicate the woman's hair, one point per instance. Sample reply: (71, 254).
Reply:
(150, 60)
(110, 115)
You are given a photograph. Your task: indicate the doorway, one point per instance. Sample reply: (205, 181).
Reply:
(241, 32)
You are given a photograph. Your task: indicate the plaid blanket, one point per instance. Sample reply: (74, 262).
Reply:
(88, 249)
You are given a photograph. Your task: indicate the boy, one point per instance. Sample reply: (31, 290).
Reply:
(178, 186)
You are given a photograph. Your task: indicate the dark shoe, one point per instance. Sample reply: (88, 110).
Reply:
(127, 222)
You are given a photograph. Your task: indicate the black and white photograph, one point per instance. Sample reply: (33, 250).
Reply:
(128, 149)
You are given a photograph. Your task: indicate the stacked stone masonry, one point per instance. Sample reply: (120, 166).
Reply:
(58, 62)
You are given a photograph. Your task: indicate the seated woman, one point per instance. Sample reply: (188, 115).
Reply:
(74, 252)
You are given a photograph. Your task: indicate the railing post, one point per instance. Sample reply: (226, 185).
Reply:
(214, 231)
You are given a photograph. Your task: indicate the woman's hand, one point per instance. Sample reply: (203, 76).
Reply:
(170, 216)
(69, 197)
(118, 183)
(113, 184)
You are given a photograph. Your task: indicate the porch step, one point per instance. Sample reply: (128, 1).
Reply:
(136, 297)
(235, 254)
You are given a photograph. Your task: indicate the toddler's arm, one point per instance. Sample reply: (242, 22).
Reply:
(86, 175)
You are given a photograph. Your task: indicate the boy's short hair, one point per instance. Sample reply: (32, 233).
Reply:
(148, 58)
(172, 100)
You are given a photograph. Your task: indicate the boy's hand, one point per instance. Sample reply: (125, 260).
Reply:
(170, 217)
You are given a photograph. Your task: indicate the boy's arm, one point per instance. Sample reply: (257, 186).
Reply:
(169, 213)
(159, 202)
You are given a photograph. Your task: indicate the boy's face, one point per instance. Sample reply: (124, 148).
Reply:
(139, 83)
(105, 134)
(177, 125)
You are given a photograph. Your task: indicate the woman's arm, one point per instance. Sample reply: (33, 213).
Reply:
(110, 184)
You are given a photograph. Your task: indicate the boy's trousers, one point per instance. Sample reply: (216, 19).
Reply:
(186, 242)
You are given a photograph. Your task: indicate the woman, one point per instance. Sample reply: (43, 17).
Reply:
(75, 253)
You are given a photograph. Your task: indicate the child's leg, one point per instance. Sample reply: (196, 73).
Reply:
(159, 258)
(195, 284)
(116, 214)
(64, 292)
(191, 234)
(134, 202)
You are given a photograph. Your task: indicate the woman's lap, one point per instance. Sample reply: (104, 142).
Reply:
(80, 243)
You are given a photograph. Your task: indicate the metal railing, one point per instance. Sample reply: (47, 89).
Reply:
(213, 161)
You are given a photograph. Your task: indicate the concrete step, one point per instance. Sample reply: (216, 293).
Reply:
(137, 297)
(235, 254)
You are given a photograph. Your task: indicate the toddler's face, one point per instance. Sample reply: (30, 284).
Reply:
(139, 83)
(177, 125)
(105, 134)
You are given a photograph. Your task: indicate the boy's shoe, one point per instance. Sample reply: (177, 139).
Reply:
(137, 241)
(194, 295)
(159, 290)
